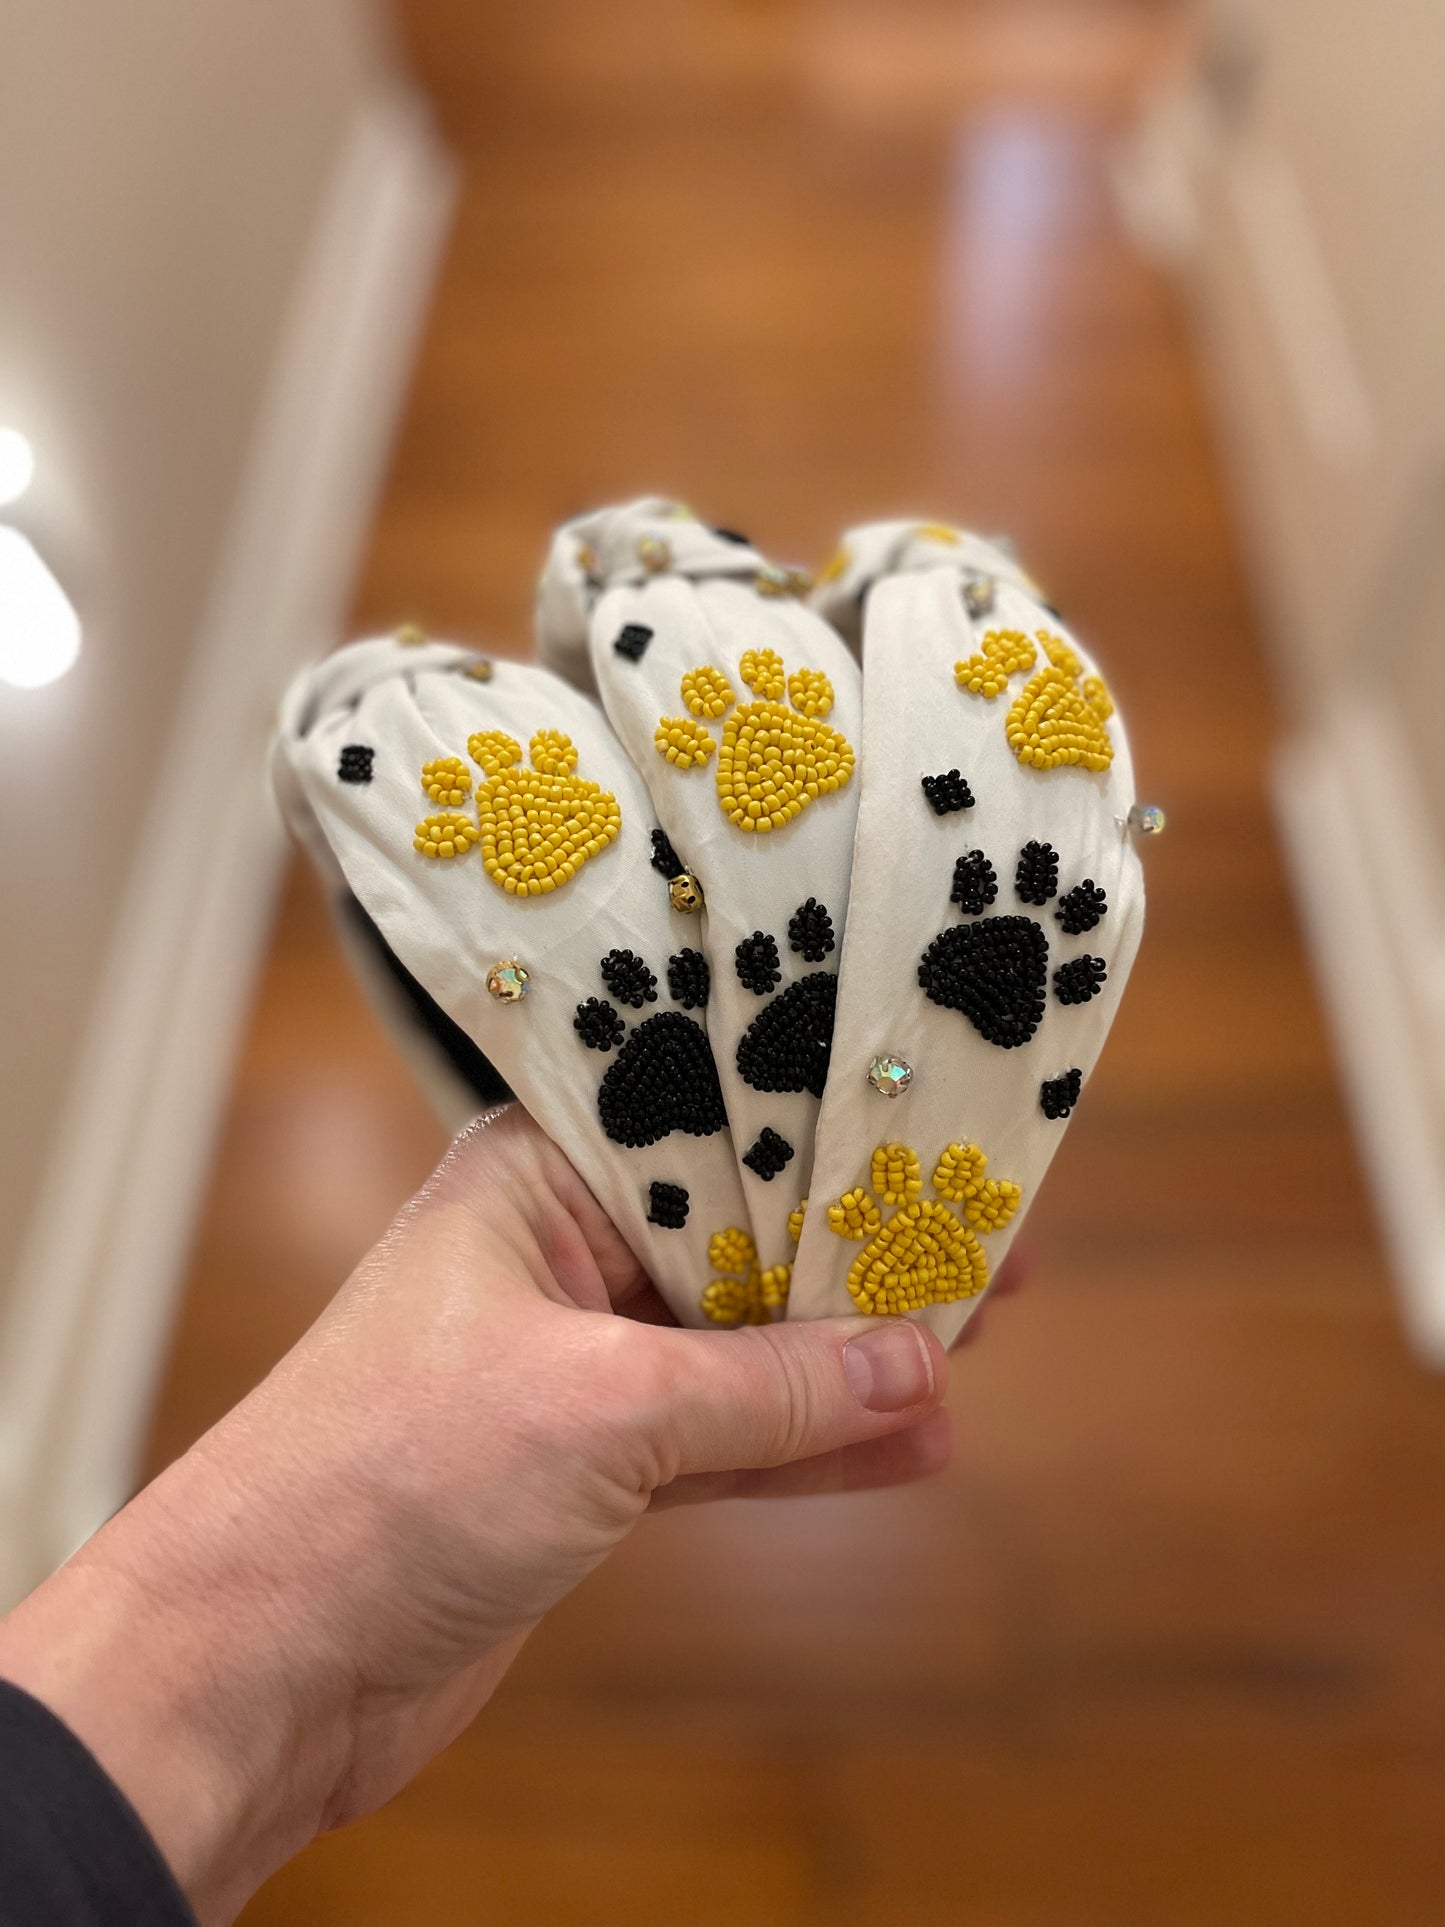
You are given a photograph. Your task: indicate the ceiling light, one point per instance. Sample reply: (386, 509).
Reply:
(39, 631)
(17, 465)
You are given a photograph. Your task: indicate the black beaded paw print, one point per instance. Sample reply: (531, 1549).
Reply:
(787, 1045)
(996, 970)
(663, 1078)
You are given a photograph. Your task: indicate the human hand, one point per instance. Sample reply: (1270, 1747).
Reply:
(276, 1635)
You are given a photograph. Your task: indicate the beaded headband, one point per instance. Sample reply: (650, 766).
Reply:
(804, 964)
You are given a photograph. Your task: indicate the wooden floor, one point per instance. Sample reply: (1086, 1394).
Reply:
(1167, 1649)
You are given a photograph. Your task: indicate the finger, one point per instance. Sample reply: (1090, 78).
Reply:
(770, 1394)
(901, 1459)
(504, 1157)
(644, 1304)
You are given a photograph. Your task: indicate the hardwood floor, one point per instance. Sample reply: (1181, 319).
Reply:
(1166, 1648)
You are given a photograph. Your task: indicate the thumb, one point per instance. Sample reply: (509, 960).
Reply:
(769, 1394)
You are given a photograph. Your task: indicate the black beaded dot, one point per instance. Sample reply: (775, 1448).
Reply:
(667, 1205)
(947, 792)
(631, 641)
(788, 1045)
(598, 1025)
(975, 884)
(665, 859)
(732, 535)
(994, 971)
(662, 1080)
(355, 764)
(1082, 907)
(1059, 1095)
(1036, 879)
(768, 1154)
(757, 963)
(628, 978)
(1080, 979)
(810, 931)
(689, 979)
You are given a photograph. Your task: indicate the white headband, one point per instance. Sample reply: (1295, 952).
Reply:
(740, 923)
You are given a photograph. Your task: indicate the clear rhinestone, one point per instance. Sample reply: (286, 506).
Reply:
(777, 581)
(508, 982)
(1146, 819)
(654, 554)
(890, 1076)
(589, 561)
(979, 594)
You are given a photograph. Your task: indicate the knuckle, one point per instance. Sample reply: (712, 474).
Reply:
(791, 1400)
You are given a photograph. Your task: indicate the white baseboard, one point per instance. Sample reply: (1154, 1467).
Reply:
(1367, 877)
(91, 1308)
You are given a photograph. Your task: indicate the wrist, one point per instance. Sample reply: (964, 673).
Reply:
(164, 1646)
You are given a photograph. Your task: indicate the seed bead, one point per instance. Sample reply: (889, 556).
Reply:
(707, 692)
(445, 835)
(683, 742)
(667, 1205)
(1054, 722)
(446, 779)
(1059, 1095)
(1001, 654)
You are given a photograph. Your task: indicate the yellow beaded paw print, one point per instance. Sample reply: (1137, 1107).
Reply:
(925, 1253)
(773, 759)
(1059, 715)
(750, 1296)
(536, 826)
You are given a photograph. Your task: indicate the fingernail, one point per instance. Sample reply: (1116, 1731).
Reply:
(891, 1369)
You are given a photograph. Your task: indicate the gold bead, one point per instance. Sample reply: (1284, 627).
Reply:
(685, 893)
(410, 635)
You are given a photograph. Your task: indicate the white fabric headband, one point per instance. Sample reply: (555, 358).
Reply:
(803, 964)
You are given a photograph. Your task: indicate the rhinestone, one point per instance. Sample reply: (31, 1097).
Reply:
(654, 554)
(890, 1076)
(481, 670)
(979, 594)
(776, 581)
(589, 561)
(685, 892)
(411, 635)
(508, 982)
(1145, 819)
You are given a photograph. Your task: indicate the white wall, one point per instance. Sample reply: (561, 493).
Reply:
(1298, 170)
(217, 226)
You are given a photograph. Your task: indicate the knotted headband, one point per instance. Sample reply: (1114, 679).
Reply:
(798, 927)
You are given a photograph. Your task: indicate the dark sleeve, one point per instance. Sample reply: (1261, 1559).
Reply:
(73, 1852)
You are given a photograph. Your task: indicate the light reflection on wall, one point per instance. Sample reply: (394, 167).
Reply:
(1013, 204)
